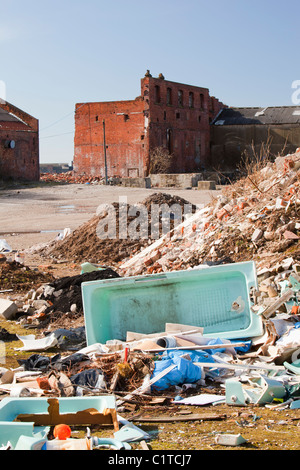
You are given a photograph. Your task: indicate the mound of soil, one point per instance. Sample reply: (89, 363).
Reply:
(84, 244)
(20, 278)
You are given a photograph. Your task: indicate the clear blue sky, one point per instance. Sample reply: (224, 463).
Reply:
(57, 53)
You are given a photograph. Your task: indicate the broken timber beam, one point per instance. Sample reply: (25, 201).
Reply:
(170, 419)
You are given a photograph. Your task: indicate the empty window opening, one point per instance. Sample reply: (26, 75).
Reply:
(96, 118)
(201, 101)
(191, 99)
(126, 117)
(177, 115)
(169, 96)
(165, 115)
(170, 140)
(180, 98)
(157, 94)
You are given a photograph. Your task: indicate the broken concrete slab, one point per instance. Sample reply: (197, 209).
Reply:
(8, 309)
(230, 439)
(206, 185)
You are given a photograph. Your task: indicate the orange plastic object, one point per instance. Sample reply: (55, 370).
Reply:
(62, 431)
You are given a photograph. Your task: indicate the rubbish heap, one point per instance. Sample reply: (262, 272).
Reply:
(235, 265)
(253, 219)
(84, 244)
(69, 177)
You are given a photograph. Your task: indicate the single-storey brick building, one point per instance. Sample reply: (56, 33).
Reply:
(19, 144)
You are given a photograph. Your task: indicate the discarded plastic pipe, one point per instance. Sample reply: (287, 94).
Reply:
(226, 365)
(196, 347)
(166, 342)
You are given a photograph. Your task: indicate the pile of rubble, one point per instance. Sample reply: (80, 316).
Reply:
(256, 218)
(17, 277)
(51, 302)
(85, 244)
(69, 177)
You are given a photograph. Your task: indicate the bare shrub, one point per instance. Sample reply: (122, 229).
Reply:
(161, 161)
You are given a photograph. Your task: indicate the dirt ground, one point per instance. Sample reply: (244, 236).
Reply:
(34, 214)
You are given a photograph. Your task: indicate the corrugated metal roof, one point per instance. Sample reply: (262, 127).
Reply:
(250, 116)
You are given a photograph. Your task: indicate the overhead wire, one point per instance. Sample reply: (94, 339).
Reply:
(70, 132)
(61, 119)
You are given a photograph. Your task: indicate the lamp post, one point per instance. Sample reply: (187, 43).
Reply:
(104, 146)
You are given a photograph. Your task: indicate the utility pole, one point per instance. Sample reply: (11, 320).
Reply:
(104, 146)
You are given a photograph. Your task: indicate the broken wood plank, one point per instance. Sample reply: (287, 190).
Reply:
(190, 417)
(144, 445)
(268, 312)
(83, 417)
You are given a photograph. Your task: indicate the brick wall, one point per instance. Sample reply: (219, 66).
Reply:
(124, 136)
(167, 114)
(19, 146)
(179, 121)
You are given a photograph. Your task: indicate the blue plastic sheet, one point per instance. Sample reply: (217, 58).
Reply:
(184, 372)
(239, 349)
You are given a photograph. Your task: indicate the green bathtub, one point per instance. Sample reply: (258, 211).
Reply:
(215, 298)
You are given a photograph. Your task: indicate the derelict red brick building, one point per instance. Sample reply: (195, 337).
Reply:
(168, 115)
(19, 144)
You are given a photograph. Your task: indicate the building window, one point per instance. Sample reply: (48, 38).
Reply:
(126, 117)
(169, 96)
(157, 94)
(96, 118)
(180, 98)
(191, 99)
(165, 115)
(177, 115)
(202, 101)
(170, 141)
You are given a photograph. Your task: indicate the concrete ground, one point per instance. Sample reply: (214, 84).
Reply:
(34, 215)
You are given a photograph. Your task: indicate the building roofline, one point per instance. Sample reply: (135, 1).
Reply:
(176, 83)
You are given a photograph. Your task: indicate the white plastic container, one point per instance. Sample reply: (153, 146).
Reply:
(68, 444)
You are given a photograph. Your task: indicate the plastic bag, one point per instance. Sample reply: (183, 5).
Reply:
(184, 372)
(4, 246)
